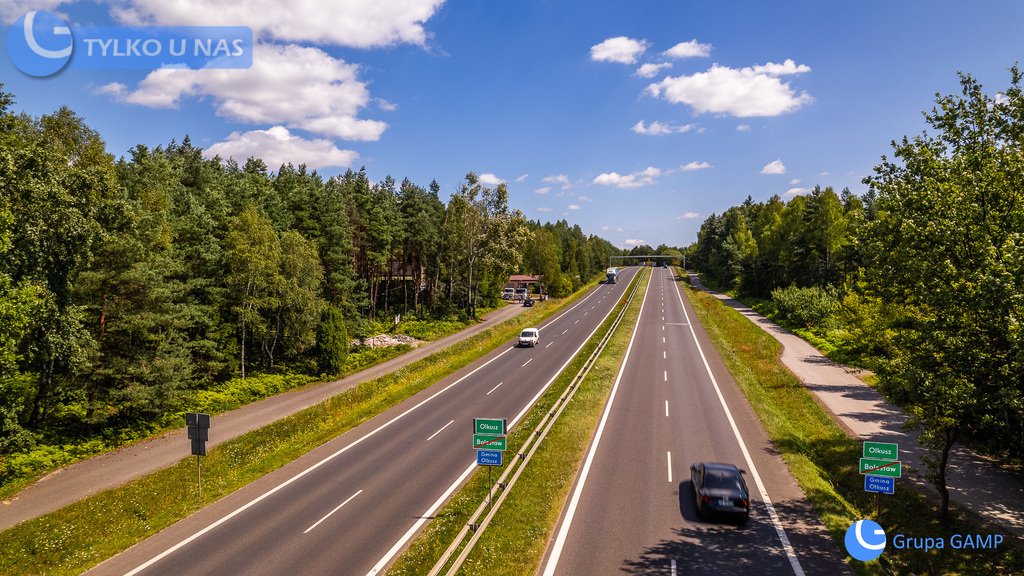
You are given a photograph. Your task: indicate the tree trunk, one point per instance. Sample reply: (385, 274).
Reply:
(940, 477)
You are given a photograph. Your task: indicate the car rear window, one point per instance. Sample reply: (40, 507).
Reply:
(721, 480)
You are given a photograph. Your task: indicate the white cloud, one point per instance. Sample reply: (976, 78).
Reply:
(11, 10)
(297, 86)
(559, 179)
(742, 92)
(542, 190)
(353, 23)
(522, 177)
(825, 173)
(795, 192)
(651, 70)
(544, 209)
(1002, 99)
(574, 206)
(584, 198)
(488, 179)
(691, 49)
(277, 146)
(645, 177)
(743, 127)
(688, 216)
(794, 181)
(385, 105)
(635, 242)
(658, 128)
(620, 229)
(691, 166)
(619, 49)
(776, 167)
(605, 228)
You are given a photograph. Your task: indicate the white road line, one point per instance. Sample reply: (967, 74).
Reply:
(564, 331)
(794, 562)
(669, 467)
(332, 512)
(664, 354)
(662, 339)
(662, 318)
(587, 312)
(666, 408)
(576, 322)
(493, 389)
(549, 344)
(563, 531)
(527, 362)
(666, 375)
(431, 437)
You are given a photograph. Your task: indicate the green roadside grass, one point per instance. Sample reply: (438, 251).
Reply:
(79, 536)
(515, 541)
(823, 459)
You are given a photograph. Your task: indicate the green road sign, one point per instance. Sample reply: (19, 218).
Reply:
(488, 442)
(881, 467)
(882, 450)
(493, 426)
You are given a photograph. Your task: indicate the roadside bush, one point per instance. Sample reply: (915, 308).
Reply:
(804, 307)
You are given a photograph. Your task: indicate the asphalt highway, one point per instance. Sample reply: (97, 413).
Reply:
(632, 506)
(349, 506)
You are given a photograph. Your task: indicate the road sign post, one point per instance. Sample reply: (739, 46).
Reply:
(198, 432)
(489, 441)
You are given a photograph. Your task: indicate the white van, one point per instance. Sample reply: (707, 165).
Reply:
(529, 337)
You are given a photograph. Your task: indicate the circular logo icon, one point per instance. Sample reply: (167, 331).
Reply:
(865, 540)
(40, 43)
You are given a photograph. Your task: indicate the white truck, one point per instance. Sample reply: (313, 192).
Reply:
(613, 275)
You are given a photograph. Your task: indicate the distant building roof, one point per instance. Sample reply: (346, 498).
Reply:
(524, 278)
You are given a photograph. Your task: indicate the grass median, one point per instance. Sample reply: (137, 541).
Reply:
(79, 536)
(823, 459)
(515, 541)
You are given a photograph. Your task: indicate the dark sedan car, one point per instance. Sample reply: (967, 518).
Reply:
(719, 489)
(527, 301)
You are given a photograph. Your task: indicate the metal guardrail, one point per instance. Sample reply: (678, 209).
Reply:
(526, 452)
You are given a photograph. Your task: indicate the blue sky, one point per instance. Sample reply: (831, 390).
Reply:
(569, 102)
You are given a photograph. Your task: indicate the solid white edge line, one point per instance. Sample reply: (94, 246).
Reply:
(330, 457)
(431, 437)
(669, 453)
(338, 507)
(794, 562)
(400, 544)
(563, 532)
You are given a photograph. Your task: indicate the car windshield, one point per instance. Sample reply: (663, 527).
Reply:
(528, 333)
(721, 480)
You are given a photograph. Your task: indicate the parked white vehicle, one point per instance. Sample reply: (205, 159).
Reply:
(508, 293)
(529, 337)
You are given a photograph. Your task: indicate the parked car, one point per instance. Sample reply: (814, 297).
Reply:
(528, 301)
(508, 293)
(719, 489)
(529, 337)
(521, 293)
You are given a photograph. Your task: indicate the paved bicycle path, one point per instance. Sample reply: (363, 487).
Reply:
(111, 469)
(975, 483)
